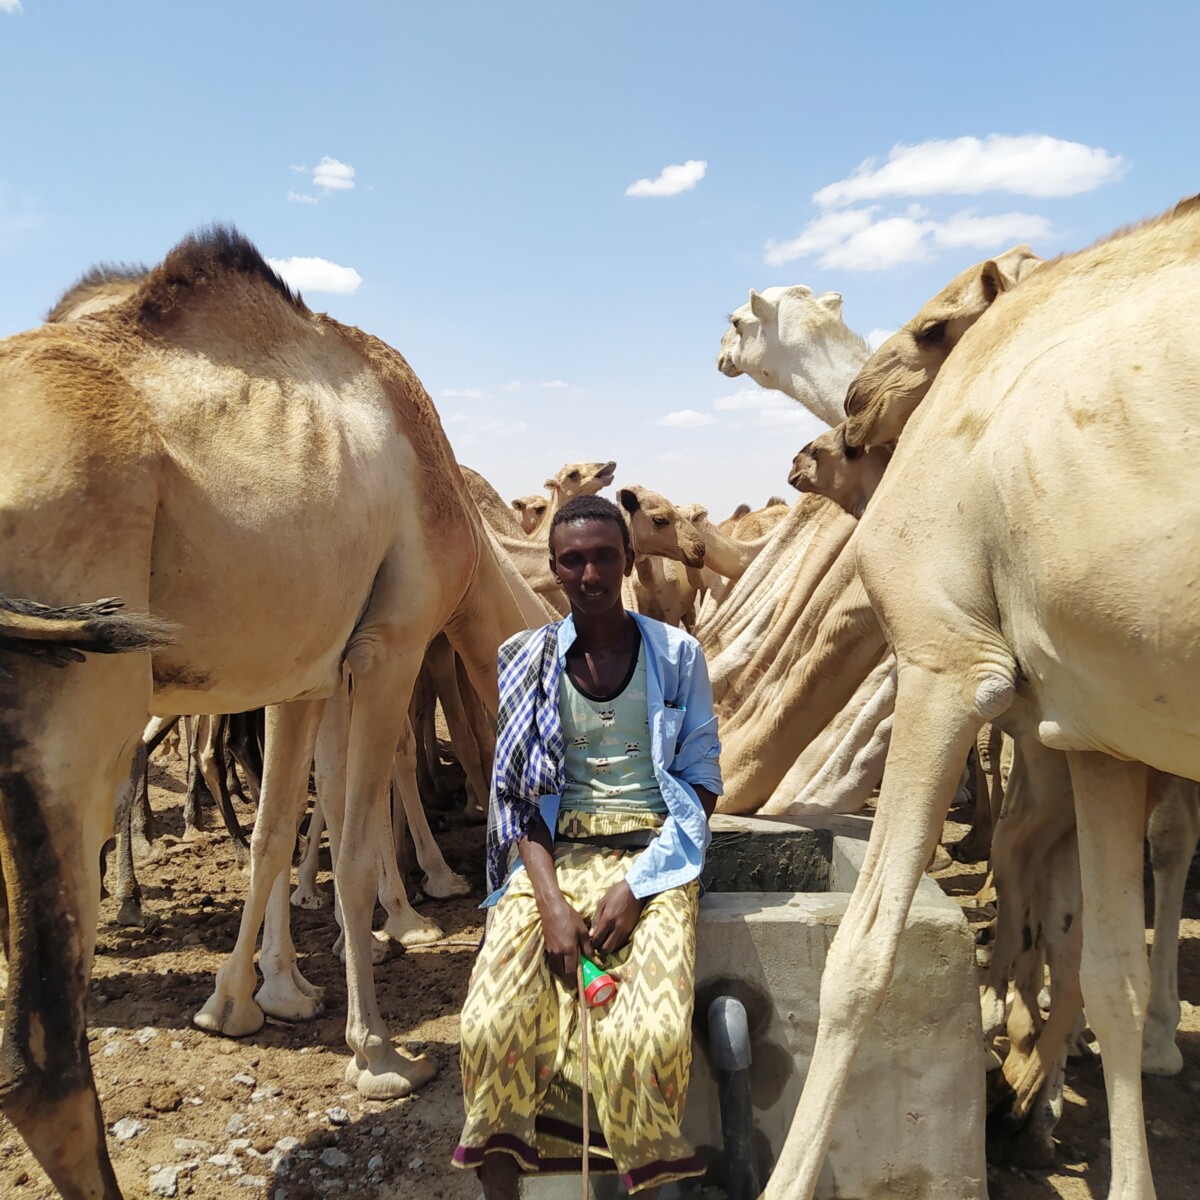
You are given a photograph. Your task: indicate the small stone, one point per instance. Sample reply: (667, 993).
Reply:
(164, 1099)
(266, 1093)
(144, 1037)
(111, 1048)
(192, 1146)
(235, 1125)
(227, 1047)
(416, 1164)
(224, 1159)
(252, 1181)
(245, 1080)
(337, 1116)
(375, 1162)
(1161, 1129)
(378, 1131)
(127, 1128)
(240, 1144)
(287, 1144)
(165, 1181)
(21, 1178)
(333, 1157)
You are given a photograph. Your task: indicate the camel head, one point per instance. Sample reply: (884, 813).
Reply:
(657, 527)
(788, 339)
(896, 377)
(530, 510)
(580, 479)
(848, 475)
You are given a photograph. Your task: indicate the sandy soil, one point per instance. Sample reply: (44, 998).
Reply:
(270, 1115)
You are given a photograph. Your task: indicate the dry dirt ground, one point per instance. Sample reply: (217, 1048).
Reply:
(270, 1115)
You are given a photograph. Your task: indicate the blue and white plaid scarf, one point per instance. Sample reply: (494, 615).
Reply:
(529, 743)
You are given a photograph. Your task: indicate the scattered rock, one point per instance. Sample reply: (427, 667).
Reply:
(192, 1147)
(113, 1047)
(235, 1125)
(416, 1164)
(145, 1036)
(337, 1116)
(252, 1181)
(266, 1093)
(165, 1182)
(287, 1144)
(227, 1047)
(378, 1131)
(245, 1080)
(164, 1099)
(127, 1128)
(1161, 1129)
(375, 1162)
(240, 1144)
(333, 1157)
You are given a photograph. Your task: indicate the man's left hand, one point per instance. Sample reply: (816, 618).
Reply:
(616, 917)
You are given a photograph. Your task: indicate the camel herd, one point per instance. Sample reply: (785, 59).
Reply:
(995, 541)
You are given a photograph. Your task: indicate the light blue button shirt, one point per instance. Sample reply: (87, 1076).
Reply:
(685, 751)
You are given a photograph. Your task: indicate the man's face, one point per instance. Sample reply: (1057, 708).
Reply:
(590, 560)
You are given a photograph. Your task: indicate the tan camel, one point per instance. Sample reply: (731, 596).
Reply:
(901, 371)
(1034, 857)
(531, 511)
(211, 401)
(574, 479)
(752, 524)
(847, 475)
(1051, 621)
(790, 340)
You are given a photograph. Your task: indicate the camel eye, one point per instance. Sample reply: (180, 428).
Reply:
(932, 335)
(573, 475)
(852, 452)
(661, 522)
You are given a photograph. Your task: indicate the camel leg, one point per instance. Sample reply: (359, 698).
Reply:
(1110, 814)
(57, 798)
(126, 890)
(440, 660)
(977, 845)
(285, 993)
(440, 881)
(1173, 833)
(193, 815)
(291, 731)
(306, 894)
(211, 762)
(932, 731)
(378, 703)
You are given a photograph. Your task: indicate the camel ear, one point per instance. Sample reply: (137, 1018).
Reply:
(628, 500)
(831, 301)
(551, 485)
(991, 281)
(701, 514)
(1015, 264)
(519, 505)
(762, 309)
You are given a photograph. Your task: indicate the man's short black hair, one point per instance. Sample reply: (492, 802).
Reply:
(589, 508)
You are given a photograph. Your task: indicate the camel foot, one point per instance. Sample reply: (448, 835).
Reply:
(288, 996)
(381, 947)
(192, 833)
(130, 914)
(443, 885)
(141, 846)
(392, 1076)
(241, 856)
(973, 848)
(409, 929)
(1161, 1057)
(229, 1017)
(307, 897)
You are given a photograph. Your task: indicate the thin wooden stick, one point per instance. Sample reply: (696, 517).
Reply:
(583, 1056)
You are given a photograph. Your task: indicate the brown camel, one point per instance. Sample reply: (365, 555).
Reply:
(208, 417)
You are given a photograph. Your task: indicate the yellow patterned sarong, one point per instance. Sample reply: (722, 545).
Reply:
(521, 1037)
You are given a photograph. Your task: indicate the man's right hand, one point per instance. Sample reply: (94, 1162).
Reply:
(566, 934)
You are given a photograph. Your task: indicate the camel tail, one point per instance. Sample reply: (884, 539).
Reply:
(64, 635)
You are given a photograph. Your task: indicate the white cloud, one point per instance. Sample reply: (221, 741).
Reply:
(554, 383)
(679, 177)
(857, 240)
(686, 418)
(301, 198)
(753, 399)
(1029, 165)
(316, 275)
(465, 393)
(966, 229)
(299, 168)
(332, 175)
(513, 386)
(10, 6)
(877, 337)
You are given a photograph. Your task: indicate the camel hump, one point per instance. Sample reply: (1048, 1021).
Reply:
(210, 258)
(62, 635)
(99, 288)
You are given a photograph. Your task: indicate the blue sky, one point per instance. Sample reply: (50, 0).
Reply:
(461, 170)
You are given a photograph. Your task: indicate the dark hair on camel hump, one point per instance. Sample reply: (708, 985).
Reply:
(589, 508)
